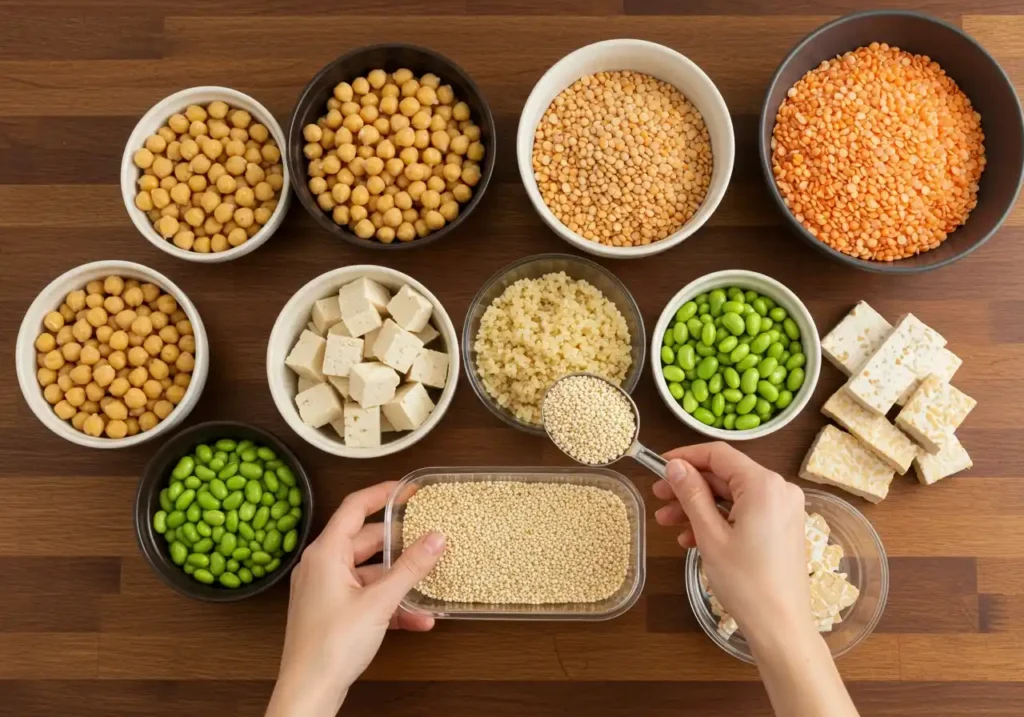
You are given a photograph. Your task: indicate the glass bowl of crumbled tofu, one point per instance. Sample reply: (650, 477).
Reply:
(847, 568)
(363, 361)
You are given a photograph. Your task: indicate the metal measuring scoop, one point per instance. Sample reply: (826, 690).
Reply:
(636, 450)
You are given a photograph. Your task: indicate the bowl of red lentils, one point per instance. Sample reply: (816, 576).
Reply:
(625, 147)
(892, 141)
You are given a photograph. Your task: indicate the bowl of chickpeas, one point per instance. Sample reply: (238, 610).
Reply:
(391, 146)
(204, 176)
(112, 354)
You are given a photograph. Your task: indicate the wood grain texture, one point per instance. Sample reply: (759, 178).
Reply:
(87, 629)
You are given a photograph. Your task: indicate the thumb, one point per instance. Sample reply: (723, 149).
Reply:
(695, 497)
(412, 566)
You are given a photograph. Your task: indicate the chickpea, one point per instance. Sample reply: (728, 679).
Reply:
(89, 355)
(153, 343)
(364, 151)
(420, 120)
(223, 212)
(399, 122)
(134, 397)
(45, 342)
(254, 174)
(118, 387)
(325, 201)
(436, 183)
(53, 394)
(416, 189)
(64, 410)
(270, 153)
(364, 229)
(152, 388)
(163, 409)
(374, 166)
(142, 326)
(186, 362)
(462, 193)
(409, 106)
(143, 158)
(369, 112)
(116, 429)
(340, 214)
(237, 236)
(137, 356)
(471, 175)
(431, 156)
(53, 321)
(236, 165)
(148, 421)
(53, 360)
(158, 368)
(175, 394)
(243, 217)
(184, 327)
(81, 374)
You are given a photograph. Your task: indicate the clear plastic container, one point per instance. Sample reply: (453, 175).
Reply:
(864, 562)
(623, 599)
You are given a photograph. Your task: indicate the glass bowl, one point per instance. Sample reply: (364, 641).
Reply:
(533, 267)
(864, 563)
(623, 599)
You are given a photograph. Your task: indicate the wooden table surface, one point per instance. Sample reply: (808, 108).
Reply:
(87, 628)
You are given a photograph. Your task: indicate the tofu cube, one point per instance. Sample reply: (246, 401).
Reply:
(385, 424)
(838, 459)
(325, 314)
(372, 384)
(341, 355)
(339, 329)
(305, 383)
(855, 338)
(319, 405)
(339, 427)
(427, 334)
(312, 327)
(340, 385)
(895, 364)
(953, 458)
(360, 317)
(934, 412)
(396, 347)
(369, 339)
(365, 289)
(409, 408)
(945, 366)
(874, 431)
(307, 357)
(429, 368)
(410, 310)
(362, 426)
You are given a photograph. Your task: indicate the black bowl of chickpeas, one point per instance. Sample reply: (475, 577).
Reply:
(391, 146)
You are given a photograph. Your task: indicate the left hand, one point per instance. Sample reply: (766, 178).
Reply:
(340, 610)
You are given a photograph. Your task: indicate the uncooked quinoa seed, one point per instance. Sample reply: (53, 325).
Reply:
(589, 419)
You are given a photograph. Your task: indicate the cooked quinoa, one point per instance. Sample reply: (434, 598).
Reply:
(538, 330)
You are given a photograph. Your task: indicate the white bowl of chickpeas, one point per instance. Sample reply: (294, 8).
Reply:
(204, 176)
(112, 354)
(625, 147)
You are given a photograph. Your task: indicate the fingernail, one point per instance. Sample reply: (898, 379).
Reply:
(434, 543)
(675, 471)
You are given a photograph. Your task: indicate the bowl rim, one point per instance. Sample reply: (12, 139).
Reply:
(768, 117)
(697, 602)
(138, 217)
(305, 196)
(727, 154)
(813, 351)
(285, 404)
(29, 329)
(640, 341)
(144, 534)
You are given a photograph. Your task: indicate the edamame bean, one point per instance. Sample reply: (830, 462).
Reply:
(694, 326)
(723, 359)
(763, 408)
(746, 404)
(165, 501)
(245, 575)
(265, 454)
(747, 421)
(784, 357)
(686, 311)
(733, 323)
(174, 491)
(699, 387)
(704, 416)
(160, 521)
(226, 444)
(795, 379)
(178, 553)
(676, 390)
(279, 509)
(729, 421)
(193, 513)
(245, 530)
(671, 373)
(767, 366)
(175, 518)
(747, 363)
(204, 453)
(217, 489)
(775, 350)
(216, 533)
(189, 532)
(732, 395)
(796, 347)
(252, 471)
(740, 353)
(235, 483)
(707, 367)
(680, 333)
(766, 324)
(228, 471)
(253, 491)
(778, 376)
(204, 473)
(207, 501)
(203, 575)
(760, 344)
(667, 339)
(261, 557)
(667, 354)
(718, 405)
(241, 553)
(760, 306)
(248, 455)
(184, 468)
(785, 398)
(715, 384)
(198, 560)
(704, 309)
(690, 402)
(791, 329)
(753, 323)
(749, 379)
(192, 482)
(257, 571)
(228, 543)
(273, 541)
(767, 391)
(686, 359)
(796, 361)
(202, 528)
(704, 351)
(229, 580)
(728, 344)
(203, 546)
(291, 539)
(217, 564)
(260, 519)
(732, 377)
(247, 511)
(213, 517)
(707, 335)
(286, 523)
(778, 314)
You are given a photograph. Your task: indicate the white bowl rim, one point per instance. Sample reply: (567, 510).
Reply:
(813, 352)
(711, 201)
(286, 403)
(27, 369)
(182, 98)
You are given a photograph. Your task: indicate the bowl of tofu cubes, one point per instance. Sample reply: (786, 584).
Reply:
(363, 361)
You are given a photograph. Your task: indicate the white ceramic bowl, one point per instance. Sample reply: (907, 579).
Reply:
(157, 118)
(655, 60)
(293, 319)
(784, 298)
(51, 297)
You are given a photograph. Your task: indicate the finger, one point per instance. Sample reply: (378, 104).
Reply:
(720, 459)
(369, 574)
(353, 512)
(671, 514)
(686, 538)
(367, 542)
(696, 499)
(663, 490)
(412, 566)
(413, 622)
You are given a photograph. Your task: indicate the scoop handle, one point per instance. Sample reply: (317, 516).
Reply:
(658, 465)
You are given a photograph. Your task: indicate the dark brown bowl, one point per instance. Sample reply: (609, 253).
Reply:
(154, 479)
(978, 75)
(312, 105)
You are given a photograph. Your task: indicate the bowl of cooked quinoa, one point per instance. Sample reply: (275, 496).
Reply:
(892, 141)
(541, 318)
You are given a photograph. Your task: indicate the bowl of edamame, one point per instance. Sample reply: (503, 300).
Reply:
(222, 511)
(735, 355)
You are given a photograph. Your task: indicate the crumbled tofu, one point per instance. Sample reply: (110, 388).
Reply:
(312, 327)
(829, 561)
(360, 317)
(340, 384)
(362, 426)
(307, 356)
(932, 468)
(409, 408)
(305, 383)
(836, 458)
(934, 412)
(319, 405)
(372, 384)
(855, 338)
(945, 366)
(396, 347)
(831, 593)
(427, 334)
(325, 314)
(368, 290)
(816, 532)
(410, 310)
(874, 431)
(369, 339)
(727, 627)
(385, 425)
(429, 368)
(341, 355)
(893, 367)
(339, 329)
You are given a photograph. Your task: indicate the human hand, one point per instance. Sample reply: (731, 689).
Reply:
(339, 609)
(755, 561)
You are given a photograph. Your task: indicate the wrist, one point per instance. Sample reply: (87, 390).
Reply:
(783, 639)
(293, 697)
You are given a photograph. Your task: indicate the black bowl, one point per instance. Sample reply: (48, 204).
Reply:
(154, 479)
(978, 75)
(312, 105)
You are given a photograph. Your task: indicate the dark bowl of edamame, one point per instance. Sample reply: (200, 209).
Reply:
(735, 355)
(222, 511)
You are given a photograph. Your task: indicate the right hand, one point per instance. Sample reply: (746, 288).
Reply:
(755, 562)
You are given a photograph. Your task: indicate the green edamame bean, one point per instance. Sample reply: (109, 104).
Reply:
(791, 329)
(778, 314)
(735, 294)
(252, 471)
(731, 376)
(704, 351)
(170, 535)
(227, 545)
(272, 542)
(749, 379)
(667, 354)
(216, 533)
(165, 501)
(671, 373)
(257, 542)
(204, 453)
(260, 557)
(686, 311)
(244, 446)
(260, 519)
(760, 306)
(265, 454)
(218, 489)
(231, 521)
(728, 344)
(784, 357)
(229, 470)
(715, 384)
(235, 483)
(247, 511)
(767, 391)
(216, 465)
(284, 473)
(207, 501)
(217, 564)
(723, 359)
(279, 509)
(739, 353)
(707, 335)
(174, 490)
(746, 404)
(175, 518)
(753, 323)
(178, 552)
(718, 405)
(747, 421)
(795, 379)
(203, 575)
(291, 539)
(704, 416)
(763, 408)
(245, 530)
(691, 374)
(229, 580)
(732, 307)
(248, 455)
(760, 344)
(796, 347)
(796, 361)
(226, 444)
(719, 422)
(286, 523)
(680, 333)
(785, 398)
(766, 324)
(733, 323)
(747, 363)
(221, 455)
(295, 497)
(775, 350)
(690, 402)
(676, 390)
(245, 575)
(203, 546)
(699, 387)
(214, 518)
(694, 326)
(257, 571)
(188, 530)
(703, 308)
(707, 367)
(732, 395)
(184, 468)
(686, 358)
(198, 560)
(270, 481)
(253, 491)
(160, 521)
(715, 300)
(776, 336)
(241, 553)
(778, 376)
(193, 513)
(767, 366)
(192, 483)
(749, 295)
(729, 421)
(668, 339)
(203, 529)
